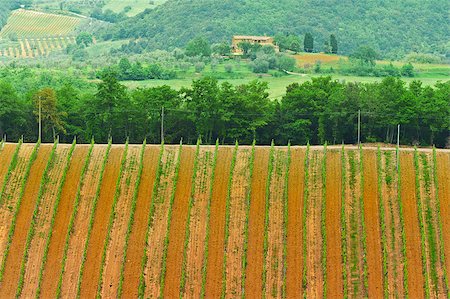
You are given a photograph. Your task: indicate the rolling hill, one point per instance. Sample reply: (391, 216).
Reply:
(392, 27)
(171, 221)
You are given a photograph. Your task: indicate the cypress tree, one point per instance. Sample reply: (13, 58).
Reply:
(333, 44)
(309, 42)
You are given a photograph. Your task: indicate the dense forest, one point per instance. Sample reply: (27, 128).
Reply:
(317, 111)
(386, 26)
(5, 8)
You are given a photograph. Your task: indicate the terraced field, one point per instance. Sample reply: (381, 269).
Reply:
(134, 221)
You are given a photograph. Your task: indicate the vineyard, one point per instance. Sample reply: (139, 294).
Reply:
(147, 221)
(30, 34)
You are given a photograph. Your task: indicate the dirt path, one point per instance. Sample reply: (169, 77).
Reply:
(294, 263)
(6, 155)
(217, 226)
(413, 247)
(43, 222)
(56, 246)
(137, 236)
(91, 272)
(158, 226)
(178, 224)
(254, 269)
(197, 227)
(114, 253)
(14, 259)
(274, 261)
(333, 225)
(78, 235)
(239, 190)
(371, 212)
(443, 173)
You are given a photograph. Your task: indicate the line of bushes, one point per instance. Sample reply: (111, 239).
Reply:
(439, 219)
(188, 221)
(421, 224)
(169, 221)
(73, 217)
(52, 222)
(91, 218)
(267, 216)
(208, 218)
(382, 223)
(286, 217)
(227, 220)
(12, 166)
(363, 223)
(304, 216)
(44, 181)
(159, 171)
(112, 217)
(344, 222)
(13, 224)
(323, 222)
(131, 220)
(246, 224)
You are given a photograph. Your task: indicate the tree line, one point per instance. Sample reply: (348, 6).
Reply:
(317, 111)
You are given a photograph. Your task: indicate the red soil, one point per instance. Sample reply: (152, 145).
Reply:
(274, 262)
(12, 270)
(235, 246)
(137, 236)
(78, 235)
(6, 155)
(443, 173)
(92, 264)
(114, 253)
(217, 226)
(333, 225)
(43, 222)
(412, 231)
(56, 246)
(294, 261)
(178, 224)
(196, 245)
(314, 242)
(159, 224)
(373, 234)
(255, 259)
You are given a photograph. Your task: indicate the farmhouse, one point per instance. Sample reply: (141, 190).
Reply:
(262, 40)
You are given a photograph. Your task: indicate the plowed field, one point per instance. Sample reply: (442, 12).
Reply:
(223, 222)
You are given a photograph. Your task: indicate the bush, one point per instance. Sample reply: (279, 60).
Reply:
(260, 65)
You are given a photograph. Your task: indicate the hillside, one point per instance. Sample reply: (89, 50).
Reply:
(184, 221)
(392, 27)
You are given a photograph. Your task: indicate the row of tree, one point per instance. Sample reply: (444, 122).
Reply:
(321, 110)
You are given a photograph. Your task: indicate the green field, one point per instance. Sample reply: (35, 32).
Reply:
(137, 6)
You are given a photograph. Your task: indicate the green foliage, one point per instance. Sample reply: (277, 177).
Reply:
(308, 43)
(84, 39)
(387, 26)
(304, 224)
(365, 55)
(323, 229)
(12, 166)
(198, 46)
(288, 42)
(286, 216)
(344, 222)
(333, 44)
(382, 221)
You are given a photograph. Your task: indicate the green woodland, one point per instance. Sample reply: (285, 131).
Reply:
(317, 111)
(394, 28)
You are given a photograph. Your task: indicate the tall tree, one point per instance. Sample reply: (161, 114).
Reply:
(198, 46)
(308, 43)
(333, 44)
(45, 106)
